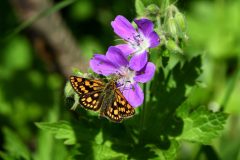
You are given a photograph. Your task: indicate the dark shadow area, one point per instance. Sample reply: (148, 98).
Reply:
(9, 22)
(167, 94)
(20, 86)
(86, 128)
(97, 19)
(209, 153)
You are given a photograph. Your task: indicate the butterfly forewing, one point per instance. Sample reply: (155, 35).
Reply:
(85, 86)
(112, 112)
(89, 90)
(125, 109)
(119, 108)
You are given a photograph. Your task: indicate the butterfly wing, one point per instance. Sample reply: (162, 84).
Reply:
(119, 108)
(92, 100)
(112, 112)
(90, 92)
(84, 85)
(125, 109)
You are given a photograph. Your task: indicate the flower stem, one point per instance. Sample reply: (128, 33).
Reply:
(143, 109)
(231, 85)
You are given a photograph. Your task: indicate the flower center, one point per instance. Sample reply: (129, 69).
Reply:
(138, 42)
(127, 77)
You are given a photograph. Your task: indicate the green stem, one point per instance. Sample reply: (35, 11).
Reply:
(231, 85)
(143, 110)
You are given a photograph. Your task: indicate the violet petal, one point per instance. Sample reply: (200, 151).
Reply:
(134, 96)
(138, 61)
(101, 65)
(145, 74)
(145, 26)
(123, 28)
(116, 56)
(154, 39)
(126, 49)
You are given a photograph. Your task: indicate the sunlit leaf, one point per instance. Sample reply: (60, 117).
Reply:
(202, 125)
(61, 130)
(14, 146)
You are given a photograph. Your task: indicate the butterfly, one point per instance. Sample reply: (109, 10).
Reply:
(96, 95)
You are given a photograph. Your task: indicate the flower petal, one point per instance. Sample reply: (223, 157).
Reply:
(134, 96)
(145, 26)
(138, 61)
(101, 65)
(123, 28)
(126, 49)
(154, 39)
(145, 74)
(116, 56)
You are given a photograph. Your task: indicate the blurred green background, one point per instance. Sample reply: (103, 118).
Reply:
(30, 92)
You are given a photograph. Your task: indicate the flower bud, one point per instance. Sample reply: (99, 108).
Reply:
(153, 9)
(181, 22)
(72, 98)
(172, 46)
(172, 26)
(68, 90)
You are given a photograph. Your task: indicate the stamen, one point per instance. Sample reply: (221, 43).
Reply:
(127, 78)
(138, 42)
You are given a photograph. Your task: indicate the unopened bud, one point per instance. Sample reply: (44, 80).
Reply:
(172, 27)
(68, 90)
(172, 46)
(153, 9)
(181, 21)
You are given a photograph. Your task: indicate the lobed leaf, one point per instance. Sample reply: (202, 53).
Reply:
(203, 125)
(61, 130)
(169, 154)
(106, 152)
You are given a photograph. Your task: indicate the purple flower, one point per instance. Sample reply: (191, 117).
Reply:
(137, 41)
(114, 62)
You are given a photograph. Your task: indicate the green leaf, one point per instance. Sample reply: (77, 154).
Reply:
(139, 6)
(61, 130)
(106, 152)
(49, 148)
(203, 125)
(18, 47)
(14, 146)
(169, 154)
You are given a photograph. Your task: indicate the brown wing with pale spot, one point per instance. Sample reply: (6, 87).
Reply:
(84, 86)
(92, 100)
(112, 112)
(125, 109)
(119, 109)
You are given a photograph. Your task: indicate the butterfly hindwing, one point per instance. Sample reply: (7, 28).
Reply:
(92, 100)
(112, 112)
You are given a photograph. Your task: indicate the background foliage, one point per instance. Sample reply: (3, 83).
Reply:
(196, 87)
